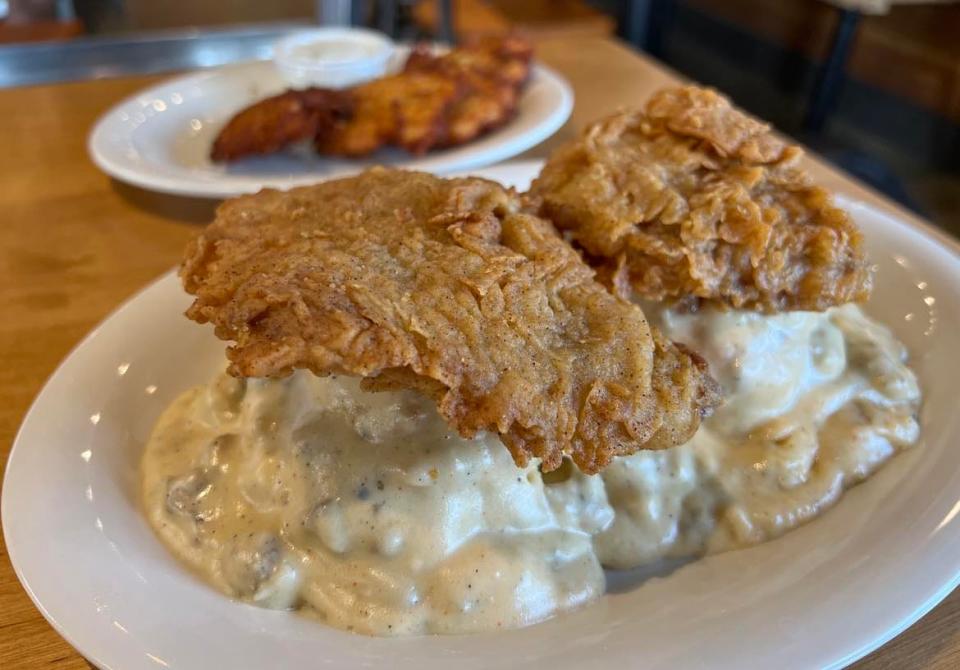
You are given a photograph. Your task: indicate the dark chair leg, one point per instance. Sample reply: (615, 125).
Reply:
(358, 13)
(387, 19)
(830, 77)
(644, 23)
(635, 20)
(663, 16)
(445, 21)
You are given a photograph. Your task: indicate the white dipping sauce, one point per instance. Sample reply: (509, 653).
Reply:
(332, 57)
(366, 510)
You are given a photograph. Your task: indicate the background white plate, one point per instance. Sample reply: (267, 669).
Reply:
(818, 597)
(160, 139)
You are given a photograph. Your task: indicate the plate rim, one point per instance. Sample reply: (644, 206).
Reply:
(89, 650)
(217, 189)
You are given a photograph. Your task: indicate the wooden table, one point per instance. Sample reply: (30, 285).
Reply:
(74, 244)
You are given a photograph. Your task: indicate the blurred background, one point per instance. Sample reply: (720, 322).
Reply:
(872, 85)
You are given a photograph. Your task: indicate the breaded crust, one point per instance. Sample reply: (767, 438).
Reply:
(690, 199)
(492, 71)
(408, 110)
(445, 286)
(274, 123)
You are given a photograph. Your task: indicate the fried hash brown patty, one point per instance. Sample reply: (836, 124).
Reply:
(444, 286)
(271, 124)
(692, 199)
(436, 100)
(408, 110)
(492, 71)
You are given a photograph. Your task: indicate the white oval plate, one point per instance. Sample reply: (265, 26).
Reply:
(819, 597)
(160, 138)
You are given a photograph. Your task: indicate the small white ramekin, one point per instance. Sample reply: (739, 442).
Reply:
(332, 57)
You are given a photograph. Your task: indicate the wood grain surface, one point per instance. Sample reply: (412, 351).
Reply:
(74, 244)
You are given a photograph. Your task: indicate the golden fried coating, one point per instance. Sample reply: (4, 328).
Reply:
(272, 124)
(692, 199)
(508, 56)
(408, 110)
(492, 71)
(444, 286)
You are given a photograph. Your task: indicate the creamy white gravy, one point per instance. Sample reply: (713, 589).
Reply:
(360, 507)
(814, 403)
(367, 511)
